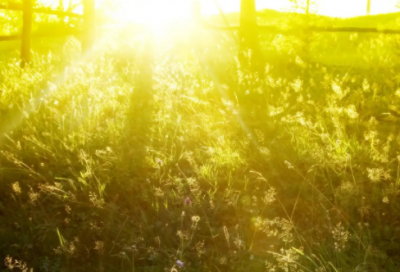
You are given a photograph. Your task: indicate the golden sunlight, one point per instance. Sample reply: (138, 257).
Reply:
(154, 12)
(56, 3)
(159, 12)
(334, 8)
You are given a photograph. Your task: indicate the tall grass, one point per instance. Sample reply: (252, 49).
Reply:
(173, 158)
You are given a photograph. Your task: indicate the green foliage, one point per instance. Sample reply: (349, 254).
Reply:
(202, 166)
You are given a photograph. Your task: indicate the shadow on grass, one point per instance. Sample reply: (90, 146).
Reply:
(139, 113)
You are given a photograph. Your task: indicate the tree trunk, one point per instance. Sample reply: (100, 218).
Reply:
(368, 7)
(26, 32)
(249, 51)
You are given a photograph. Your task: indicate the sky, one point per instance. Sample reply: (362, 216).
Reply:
(168, 8)
(334, 8)
(154, 11)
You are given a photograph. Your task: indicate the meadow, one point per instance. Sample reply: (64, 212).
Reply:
(157, 151)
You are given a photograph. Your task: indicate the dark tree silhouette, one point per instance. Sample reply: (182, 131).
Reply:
(248, 35)
(26, 32)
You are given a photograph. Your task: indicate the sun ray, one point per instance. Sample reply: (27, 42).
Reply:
(154, 12)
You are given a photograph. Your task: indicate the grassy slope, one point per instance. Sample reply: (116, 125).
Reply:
(344, 49)
(99, 174)
(272, 17)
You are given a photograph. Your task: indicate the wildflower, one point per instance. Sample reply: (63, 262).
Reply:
(99, 246)
(188, 201)
(179, 263)
(159, 162)
(289, 165)
(16, 188)
(341, 237)
(375, 174)
(385, 200)
(158, 192)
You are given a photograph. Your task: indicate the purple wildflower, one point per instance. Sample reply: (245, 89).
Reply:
(179, 263)
(188, 201)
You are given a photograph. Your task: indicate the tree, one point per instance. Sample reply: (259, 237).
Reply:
(368, 7)
(26, 32)
(248, 35)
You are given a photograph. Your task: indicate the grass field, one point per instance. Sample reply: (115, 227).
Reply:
(160, 153)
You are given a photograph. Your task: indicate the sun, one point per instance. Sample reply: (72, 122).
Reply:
(154, 12)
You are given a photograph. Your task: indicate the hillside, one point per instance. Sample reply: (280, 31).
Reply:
(328, 48)
(274, 17)
(381, 20)
(161, 151)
